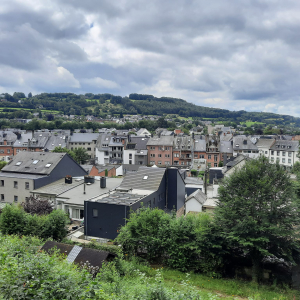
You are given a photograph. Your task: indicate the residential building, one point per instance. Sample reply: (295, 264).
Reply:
(31, 170)
(212, 155)
(154, 187)
(199, 159)
(243, 145)
(135, 150)
(194, 202)
(7, 140)
(182, 151)
(143, 132)
(160, 150)
(84, 140)
(263, 145)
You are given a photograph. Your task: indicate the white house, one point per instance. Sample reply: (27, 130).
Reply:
(195, 201)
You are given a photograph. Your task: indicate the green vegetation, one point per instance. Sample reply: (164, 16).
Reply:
(250, 123)
(27, 273)
(79, 154)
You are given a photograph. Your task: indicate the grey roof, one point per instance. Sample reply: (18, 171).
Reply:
(162, 141)
(198, 195)
(121, 198)
(226, 137)
(152, 181)
(103, 139)
(193, 180)
(84, 137)
(183, 143)
(239, 143)
(265, 143)
(8, 136)
(102, 168)
(139, 132)
(226, 147)
(114, 141)
(236, 161)
(200, 145)
(87, 168)
(285, 145)
(140, 142)
(27, 165)
(130, 168)
(167, 133)
(23, 140)
(21, 176)
(39, 139)
(55, 141)
(76, 195)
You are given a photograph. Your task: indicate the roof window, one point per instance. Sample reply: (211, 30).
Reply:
(35, 162)
(18, 163)
(48, 165)
(145, 177)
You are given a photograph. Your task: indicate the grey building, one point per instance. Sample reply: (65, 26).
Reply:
(135, 151)
(84, 140)
(32, 170)
(154, 187)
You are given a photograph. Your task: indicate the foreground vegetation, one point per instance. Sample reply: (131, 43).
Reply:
(27, 273)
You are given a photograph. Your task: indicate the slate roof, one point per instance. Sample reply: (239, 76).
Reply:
(83, 137)
(152, 181)
(23, 140)
(284, 145)
(184, 143)
(103, 139)
(265, 143)
(55, 141)
(226, 147)
(162, 141)
(200, 144)
(27, 165)
(198, 195)
(8, 136)
(238, 143)
(39, 139)
(140, 142)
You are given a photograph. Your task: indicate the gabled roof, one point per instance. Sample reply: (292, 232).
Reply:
(23, 138)
(182, 143)
(41, 163)
(197, 195)
(284, 145)
(144, 179)
(265, 143)
(140, 142)
(226, 147)
(243, 143)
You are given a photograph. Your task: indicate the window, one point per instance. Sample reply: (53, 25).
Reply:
(167, 148)
(283, 160)
(15, 199)
(1, 151)
(195, 156)
(159, 162)
(201, 156)
(289, 161)
(75, 213)
(215, 164)
(27, 185)
(89, 149)
(167, 163)
(81, 214)
(272, 159)
(159, 155)
(130, 161)
(152, 162)
(2, 197)
(216, 158)
(160, 148)
(130, 156)
(1, 182)
(145, 177)
(290, 154)
(15, 184)
(48, 165)
(209, 156)
(209, 165)
(95, 213)
(272, 152)
(278, 153)
(152, 155)
(8, 150)
(283, 153)
(266, 152)
(18, 163)
(182, 163)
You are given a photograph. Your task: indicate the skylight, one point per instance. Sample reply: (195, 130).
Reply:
(35, 162)
(18, 163)
(145, 177)
(48, 165)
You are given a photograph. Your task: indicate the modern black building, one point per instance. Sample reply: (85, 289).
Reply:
(151, 187)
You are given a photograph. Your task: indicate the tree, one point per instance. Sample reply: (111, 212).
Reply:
(33, 205)
(2, 164)
(81, 156)
(30, 95)
(259, 213)
(64, 150)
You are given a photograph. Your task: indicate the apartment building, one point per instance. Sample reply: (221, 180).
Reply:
(7, 140)
(160, 150)
(183, 147)
(135, 150)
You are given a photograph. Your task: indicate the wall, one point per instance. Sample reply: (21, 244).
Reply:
(175, 189)
(126, 158)
(161, 159)
(9, 191)
(193, 205)
(95, 172)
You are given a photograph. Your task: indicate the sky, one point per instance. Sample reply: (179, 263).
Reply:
(234, 54)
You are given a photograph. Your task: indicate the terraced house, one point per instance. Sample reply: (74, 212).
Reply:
(160, 150)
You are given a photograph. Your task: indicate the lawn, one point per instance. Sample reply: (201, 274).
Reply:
(250, 123)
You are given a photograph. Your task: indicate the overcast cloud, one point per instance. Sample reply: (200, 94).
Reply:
(235, 54)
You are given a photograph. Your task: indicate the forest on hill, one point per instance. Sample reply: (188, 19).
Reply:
(19, 105)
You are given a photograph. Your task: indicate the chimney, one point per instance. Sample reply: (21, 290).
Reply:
(68, 179)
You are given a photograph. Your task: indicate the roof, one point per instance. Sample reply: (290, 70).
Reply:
(193, 180)
(140, 142)
(284, 145)
(265, 143)
(23, 140)
(8, 136)
(239, 143)
(200, 145)
(226, 147)
(39, 139)
(55, 141)
(80, 255)
(236, 161)
(162, 141)
(144, 179)
(84, 137)
(198, 195)
(21, 176)
(41, 163)
(210, 203)
(139, 132)
(103, 139)
(182, 143)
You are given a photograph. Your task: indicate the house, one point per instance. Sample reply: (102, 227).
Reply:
(193, 184)
(148, 187)
(70, 193)
(135, 150)
(194, 202)
(84, 140)
(99, 170)
(31, 170)
(160, 150)
(199, 161)
(182, 150)
(243, 145)
(212, 155)
(285, 152)
(21, 143)
(234, 164)
(7, 140)
(226, 150)
(143, 132)
(264, 146)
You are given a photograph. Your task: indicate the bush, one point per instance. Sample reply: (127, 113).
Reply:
(14, 220)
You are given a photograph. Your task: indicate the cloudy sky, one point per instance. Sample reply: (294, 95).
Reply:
(234, 54)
